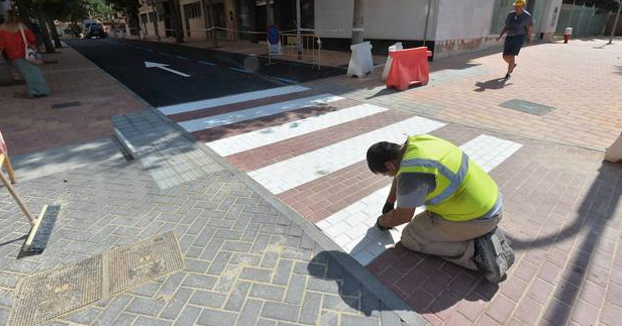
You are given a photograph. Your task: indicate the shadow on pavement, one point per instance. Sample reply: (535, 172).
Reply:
(423, 282)
(497, 83)
(596, 209)
(618, 70)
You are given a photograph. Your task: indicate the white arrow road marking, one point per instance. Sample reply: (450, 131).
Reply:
(162, 66)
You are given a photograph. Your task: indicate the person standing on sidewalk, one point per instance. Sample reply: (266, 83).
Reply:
(518, 27)
(12, 44)
(463, 204)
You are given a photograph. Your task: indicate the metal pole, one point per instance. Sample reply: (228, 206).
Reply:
(298, 35)
(427, 19)
(358, 22)
(212, 23)
(615, 23)
(155, 20)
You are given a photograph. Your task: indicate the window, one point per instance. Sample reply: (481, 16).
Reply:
(192, 10)
(152, 16)
(143, 19)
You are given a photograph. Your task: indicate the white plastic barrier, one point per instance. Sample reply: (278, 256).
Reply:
(361, 62)
(614, 153)
(395, 47)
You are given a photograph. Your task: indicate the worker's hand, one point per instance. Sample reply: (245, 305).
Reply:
(387, 207)
(380, 226)
(498, 38)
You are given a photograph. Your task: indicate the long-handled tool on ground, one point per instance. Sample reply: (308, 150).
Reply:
(35, 222)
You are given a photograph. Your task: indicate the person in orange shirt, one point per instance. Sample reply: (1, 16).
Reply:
(13, 47)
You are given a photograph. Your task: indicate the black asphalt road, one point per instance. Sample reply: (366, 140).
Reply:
(212, 73)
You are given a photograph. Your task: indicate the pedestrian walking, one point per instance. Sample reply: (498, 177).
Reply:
(463, 204)
(518, 27)
(14, 38)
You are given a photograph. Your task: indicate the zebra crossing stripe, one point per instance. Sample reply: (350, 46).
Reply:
(232, 99)
(256, 112)
(262, 137)
(291, 173)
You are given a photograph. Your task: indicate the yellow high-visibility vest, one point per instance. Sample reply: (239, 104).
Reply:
(463, 190)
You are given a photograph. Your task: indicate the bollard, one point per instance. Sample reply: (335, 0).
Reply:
(567, 34)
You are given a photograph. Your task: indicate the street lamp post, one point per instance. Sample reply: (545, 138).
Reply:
(615, 23)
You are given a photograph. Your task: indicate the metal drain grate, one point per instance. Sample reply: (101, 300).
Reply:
(528, 107)
(143, 261)
(52, 293)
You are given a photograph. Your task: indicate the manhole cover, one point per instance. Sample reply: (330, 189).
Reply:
(65, 105)
(528, 107)
(143, 261)
(52, 293)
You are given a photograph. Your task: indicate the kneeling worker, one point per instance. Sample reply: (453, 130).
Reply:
(463, 204)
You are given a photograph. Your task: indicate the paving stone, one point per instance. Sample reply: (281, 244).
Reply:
(196, 265)
(176, 304)
(200, 281)
(216, 318)
(124, 320)
(256, 274)
(238, 296)
(267, 292)
(310, 308)
(188, 316)
(147, 321)
(250, 312)
(296, 289)
(280, 311)
(348, 320)
(113, 310)
(145, 306)
(208, 299)
(283, 271)
(170, 285)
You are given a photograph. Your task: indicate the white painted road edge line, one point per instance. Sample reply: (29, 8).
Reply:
(257, 112)
(262, 137)
(291, 173)
(231, 99)
(353, 227)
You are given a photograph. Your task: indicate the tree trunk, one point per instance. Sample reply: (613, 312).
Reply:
(54, 33)
(176, 18)
(49, 48)
(358, 31)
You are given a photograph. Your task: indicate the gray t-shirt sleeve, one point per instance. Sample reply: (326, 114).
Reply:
(412, 189)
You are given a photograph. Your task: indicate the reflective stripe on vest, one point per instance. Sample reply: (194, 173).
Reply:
(463, 192)
(455, 178)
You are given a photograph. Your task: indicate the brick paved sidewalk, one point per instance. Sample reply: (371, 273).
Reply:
(31, 125)
(578, 79)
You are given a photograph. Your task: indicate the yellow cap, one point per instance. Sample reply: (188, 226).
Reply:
(519, 3)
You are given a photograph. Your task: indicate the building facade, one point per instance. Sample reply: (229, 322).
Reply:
(445, 26)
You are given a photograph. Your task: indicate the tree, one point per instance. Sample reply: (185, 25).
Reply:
(130, 9)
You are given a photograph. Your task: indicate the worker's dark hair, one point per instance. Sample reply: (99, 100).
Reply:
(380, 153)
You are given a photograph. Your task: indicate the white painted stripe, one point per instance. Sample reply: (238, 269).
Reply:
(266, 136)
(288, 174)
(353, 229)
(232, 99)
(257, 112)
(489, 151)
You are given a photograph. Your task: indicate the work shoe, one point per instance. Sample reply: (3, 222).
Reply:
(493, 255)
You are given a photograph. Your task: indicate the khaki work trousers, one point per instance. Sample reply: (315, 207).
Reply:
(431, 234)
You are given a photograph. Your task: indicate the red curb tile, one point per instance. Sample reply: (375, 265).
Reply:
(528, 311)
(500, 309)
(610, 315)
